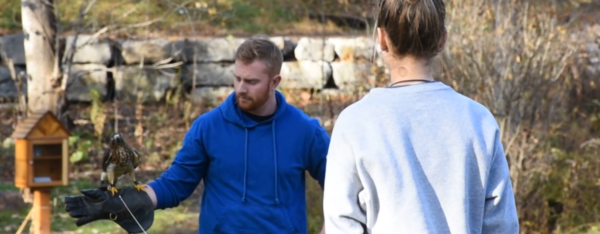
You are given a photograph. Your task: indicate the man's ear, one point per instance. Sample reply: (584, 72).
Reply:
(276, 80)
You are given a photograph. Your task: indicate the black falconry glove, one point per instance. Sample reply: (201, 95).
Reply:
(98, 204)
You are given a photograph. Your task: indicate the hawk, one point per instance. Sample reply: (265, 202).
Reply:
(119, 159)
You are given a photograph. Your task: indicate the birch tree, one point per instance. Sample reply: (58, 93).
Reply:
(41, 55)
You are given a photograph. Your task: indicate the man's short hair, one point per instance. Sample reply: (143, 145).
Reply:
(262, 48)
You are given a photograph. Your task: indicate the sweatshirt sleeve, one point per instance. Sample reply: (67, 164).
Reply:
(342, 212)
(318, 155)
(500, 209)
(180, 180)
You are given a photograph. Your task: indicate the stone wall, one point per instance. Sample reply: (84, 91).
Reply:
(128, 68)
(151, 67)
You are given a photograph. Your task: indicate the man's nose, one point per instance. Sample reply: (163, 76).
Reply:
(241, 87)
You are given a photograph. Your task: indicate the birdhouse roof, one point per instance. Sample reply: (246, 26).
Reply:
(40, 124)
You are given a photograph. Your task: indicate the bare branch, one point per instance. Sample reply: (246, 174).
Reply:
(71, 54)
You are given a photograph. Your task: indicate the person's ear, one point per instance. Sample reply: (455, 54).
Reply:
(275, 82)
(444, 38)
(382, 39)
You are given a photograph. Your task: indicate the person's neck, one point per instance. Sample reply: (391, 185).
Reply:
(267, 109)
(408, 68)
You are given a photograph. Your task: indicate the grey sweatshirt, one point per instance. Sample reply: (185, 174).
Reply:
(417, 159)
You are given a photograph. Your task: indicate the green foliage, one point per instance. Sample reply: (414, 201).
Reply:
(8, 187)
(577, 3)
(10, 15)
(133, 17)
(176, 220)
(314, 204)
(80, 148)
(253, 16)
(8, 144)
(97, 115)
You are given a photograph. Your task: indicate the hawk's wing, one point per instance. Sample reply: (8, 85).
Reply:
(106, 159)
(136, 158)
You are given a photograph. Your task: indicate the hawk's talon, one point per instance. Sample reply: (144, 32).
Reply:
(138, 187)
(113, 190)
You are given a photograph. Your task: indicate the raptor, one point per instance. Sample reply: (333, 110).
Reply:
(119, 159)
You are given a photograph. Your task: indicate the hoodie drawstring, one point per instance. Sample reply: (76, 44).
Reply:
(275, 161)
(245, 165)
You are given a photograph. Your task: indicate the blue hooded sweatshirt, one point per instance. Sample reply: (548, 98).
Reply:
(254, 173)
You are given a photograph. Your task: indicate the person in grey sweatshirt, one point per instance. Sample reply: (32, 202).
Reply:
(416, 156)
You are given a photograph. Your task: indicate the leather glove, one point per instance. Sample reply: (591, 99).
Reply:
(97, 204)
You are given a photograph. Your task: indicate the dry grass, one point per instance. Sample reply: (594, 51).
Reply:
(525, 62)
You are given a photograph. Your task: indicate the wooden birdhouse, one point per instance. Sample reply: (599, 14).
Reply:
(41, 152)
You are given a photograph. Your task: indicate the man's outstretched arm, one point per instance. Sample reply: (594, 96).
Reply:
(151, 194)
(180, 180)
(101, 204)
(175, 185)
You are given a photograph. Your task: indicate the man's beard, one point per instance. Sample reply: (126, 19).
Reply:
(249, 104)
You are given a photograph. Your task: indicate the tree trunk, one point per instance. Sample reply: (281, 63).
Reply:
(39, 28)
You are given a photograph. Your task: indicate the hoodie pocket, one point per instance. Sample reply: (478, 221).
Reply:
(245, 218)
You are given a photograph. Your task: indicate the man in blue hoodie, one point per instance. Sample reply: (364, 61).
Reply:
(252, 153)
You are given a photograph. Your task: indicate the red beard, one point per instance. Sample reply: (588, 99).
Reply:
(249, 104)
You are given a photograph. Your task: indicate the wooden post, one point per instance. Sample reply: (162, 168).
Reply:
(41, 211)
